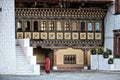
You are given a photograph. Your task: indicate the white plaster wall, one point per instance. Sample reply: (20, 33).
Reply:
(7, 37)
(103, 63)
(109, 24)
(94, 62)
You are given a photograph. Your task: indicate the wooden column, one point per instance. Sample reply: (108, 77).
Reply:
(54, 60)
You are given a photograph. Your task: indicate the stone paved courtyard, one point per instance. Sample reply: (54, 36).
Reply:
(71, 75)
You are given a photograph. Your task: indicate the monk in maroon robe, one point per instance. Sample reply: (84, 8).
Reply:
(47, 65)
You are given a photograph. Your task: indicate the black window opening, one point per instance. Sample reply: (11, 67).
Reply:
(35, 25)
(27, 26)
(82, 26)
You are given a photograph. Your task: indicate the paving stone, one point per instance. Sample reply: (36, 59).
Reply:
(72, 75)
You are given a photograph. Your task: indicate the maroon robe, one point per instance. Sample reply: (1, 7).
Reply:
(47, 65)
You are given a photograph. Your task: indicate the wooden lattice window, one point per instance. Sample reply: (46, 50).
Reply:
(69, 59)
(43, 24)
(67, 26)
(51, 25)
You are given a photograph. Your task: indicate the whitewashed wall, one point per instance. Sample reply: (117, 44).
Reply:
(110, 23)
(7, 37)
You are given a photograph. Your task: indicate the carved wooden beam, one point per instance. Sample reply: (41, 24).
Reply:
(86, 1)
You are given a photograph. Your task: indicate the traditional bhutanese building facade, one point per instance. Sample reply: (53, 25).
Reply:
(67, 30)
(64, 29)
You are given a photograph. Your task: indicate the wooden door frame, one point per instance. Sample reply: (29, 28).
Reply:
(116, 43)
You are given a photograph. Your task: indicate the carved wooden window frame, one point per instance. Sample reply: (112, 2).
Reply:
(67, 26)
(88, 24)
(69, 59)
(43, 25)
(80, 25)
(37, 25)
(100, 25)
(29, 29)
(51, 25)
(17, 25)
(74, 22)
(59, 27)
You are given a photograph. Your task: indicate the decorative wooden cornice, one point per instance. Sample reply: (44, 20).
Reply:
(59, 13)
(76, 45)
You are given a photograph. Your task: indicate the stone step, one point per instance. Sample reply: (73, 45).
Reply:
(20, 58)
(24, 68)
(22, 62)
(17, 55)
(23, 71)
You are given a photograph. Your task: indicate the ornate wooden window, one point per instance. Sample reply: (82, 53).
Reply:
(97, 26)
(19, 25)
(35, 25)
(74, 26)
(59, 26)
(27, 25)
(43, 25)
(51, 25)
(66, 26)
(82, 26)
(69, 59)
(89, 26)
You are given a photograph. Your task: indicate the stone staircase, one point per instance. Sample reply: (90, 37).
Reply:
(116, 64)
(23, 66)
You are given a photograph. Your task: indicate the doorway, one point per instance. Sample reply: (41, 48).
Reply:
(40, 54)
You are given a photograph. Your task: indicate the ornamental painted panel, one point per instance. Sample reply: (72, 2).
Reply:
(98, 36)
(74, 35)
(67, 36)
(52, 35)
(90, 36)
(44, 35)
(59, 35)
(19, 35)
(82, 35)
(36, 35)
(28, 35)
